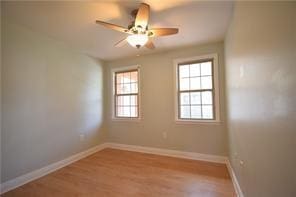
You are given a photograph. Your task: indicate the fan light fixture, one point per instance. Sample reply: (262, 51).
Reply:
(139, 35)
(137, 40)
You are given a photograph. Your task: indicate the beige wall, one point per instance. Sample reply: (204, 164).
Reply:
(0, 95)
(261, 91)
(50, 95)
(157, 106)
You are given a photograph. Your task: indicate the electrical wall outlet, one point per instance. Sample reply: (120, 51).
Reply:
(164, 135)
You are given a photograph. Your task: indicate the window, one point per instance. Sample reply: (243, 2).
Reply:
(126, 97)
(196, 89)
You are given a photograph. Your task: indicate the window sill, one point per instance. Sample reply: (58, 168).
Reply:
(126, 119)
(206, 122)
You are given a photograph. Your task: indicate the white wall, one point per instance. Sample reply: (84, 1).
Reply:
(50, 95)
(261, 90)
(157, 106)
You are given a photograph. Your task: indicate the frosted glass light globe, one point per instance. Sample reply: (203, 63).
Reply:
(137, 40)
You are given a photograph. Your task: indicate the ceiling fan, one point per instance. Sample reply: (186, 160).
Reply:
(139, 33)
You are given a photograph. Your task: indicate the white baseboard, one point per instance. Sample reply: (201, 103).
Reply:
(171, 153)
(236, 185)
(21, 180)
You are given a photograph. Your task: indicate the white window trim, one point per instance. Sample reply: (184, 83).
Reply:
(216, 90)
(119, 69)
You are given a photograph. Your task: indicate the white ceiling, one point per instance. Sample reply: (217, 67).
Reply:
(74, 23)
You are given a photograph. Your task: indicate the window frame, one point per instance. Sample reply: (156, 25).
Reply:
(215, 88)
(114, 89)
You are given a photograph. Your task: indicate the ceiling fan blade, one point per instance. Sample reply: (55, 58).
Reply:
(150, 45)
(112, 26)
(121, 43)
(163, 31)
(142, 16)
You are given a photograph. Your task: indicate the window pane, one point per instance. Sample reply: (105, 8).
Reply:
(195, 83)
(126, 111)
(207, 97)
(185, 112)
(206, 68)
(126, 77)
(184, 84)
(123, 88)
(126, 100)
(184, 99)
(195, 98)
(119, 100)
(134, 112)
(207, 111)
(126, 88)
(206, 82)
(134, 100)
(196, 112)
(123, 111)
(119, 111)
(134, 88)
(194, 70)
(119, 88)
(184, 71)
(119, 78)
(134, 76)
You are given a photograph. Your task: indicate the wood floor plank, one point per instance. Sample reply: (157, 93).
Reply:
(113, 173)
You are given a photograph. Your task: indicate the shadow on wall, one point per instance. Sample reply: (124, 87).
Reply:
(52, 101)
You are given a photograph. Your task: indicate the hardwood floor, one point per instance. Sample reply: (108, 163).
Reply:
(112, 172)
